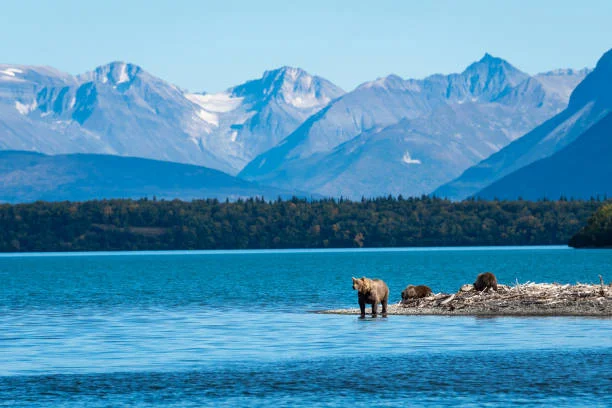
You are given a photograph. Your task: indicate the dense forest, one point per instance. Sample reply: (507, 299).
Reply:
(256, 223)
(598, 231)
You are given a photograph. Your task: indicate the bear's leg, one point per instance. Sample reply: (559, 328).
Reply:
(374, 308)
(362, 308)
(384, 305)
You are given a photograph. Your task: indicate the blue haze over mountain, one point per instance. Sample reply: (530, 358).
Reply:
(289, 129)
(28, 176)
(590, 102)
(396, 136)
(582, 170)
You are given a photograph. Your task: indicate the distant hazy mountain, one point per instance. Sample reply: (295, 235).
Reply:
(28, 176)
(395, 136)
(582, 169)
(296, 131)
(590, 102)
(121, 109)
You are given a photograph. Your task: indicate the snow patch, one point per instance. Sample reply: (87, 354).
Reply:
(292, 73)
(220, 103)
(123, 75)
(409, 160)
(11, 71)
(305, 101)
(23, 108)
(209, 117)
(8, 75)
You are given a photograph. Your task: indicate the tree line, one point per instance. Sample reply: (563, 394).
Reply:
(598, 231)
(149, 224)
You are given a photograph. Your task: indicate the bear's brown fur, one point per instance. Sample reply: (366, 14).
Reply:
(371, 292)
(416, 292)
(485, 281)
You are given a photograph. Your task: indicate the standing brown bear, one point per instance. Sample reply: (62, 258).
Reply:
(372, 292)
(486, 281)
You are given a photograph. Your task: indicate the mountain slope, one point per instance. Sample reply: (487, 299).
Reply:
(116, 109)
(121, 109)
(19, 86)
(28, 176)
(452, 121)
(582, 169)
(590, 102)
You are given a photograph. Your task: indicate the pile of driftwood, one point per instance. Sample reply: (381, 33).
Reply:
(521, 299)
(526, 299)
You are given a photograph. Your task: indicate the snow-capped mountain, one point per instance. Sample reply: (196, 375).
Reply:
(589, 102)
(251, 118)
(121, 109)
(296, 131)
(116, 109)
(410, 136)
(19, 86)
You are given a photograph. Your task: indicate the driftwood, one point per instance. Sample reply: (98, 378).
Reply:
(527, 299)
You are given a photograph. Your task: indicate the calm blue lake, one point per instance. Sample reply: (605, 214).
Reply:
(236, 329)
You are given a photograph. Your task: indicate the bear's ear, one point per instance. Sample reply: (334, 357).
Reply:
(354, 279)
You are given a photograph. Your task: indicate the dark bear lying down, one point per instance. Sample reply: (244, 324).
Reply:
(415, 292)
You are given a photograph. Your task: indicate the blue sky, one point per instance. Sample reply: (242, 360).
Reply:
(211, 45)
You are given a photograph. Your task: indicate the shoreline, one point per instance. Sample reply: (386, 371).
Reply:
(529, 299)
(284, 251)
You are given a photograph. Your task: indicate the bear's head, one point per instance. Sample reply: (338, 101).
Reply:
(361, 285)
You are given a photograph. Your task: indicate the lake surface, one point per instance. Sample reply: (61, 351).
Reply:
(236, 329)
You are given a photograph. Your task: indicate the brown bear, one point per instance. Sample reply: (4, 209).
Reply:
(485, 281)
(415, 292)
(371, 292)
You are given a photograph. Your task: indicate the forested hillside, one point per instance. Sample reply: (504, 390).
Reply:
(598, 231)
(256, 223)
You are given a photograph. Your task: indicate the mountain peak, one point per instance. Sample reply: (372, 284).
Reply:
(597, 86)
(487, 58)
(605, 62)
(288, 71)
(492, 61)
(115, 73)
(292, 85)
(391, 81)
(488, 78)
